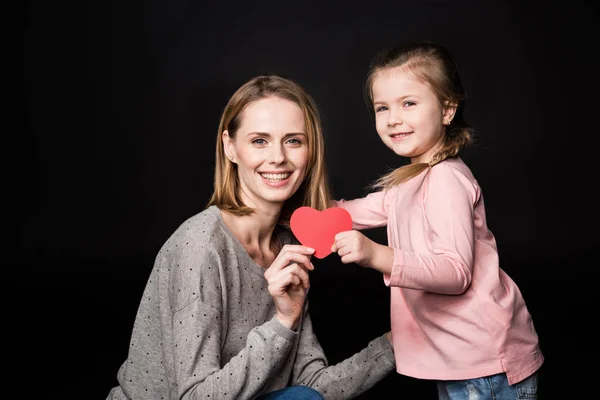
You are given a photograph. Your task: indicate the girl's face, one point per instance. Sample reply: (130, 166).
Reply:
(409, 117)
(271, 151)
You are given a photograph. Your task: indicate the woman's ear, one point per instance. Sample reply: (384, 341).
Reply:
(228, 147)
(449, 111)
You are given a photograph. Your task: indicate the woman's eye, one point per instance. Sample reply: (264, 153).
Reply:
(259, 141)
(294, 141)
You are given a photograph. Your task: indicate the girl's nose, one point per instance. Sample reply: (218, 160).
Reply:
(394, 119)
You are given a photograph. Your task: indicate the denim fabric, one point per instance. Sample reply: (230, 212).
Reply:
(293, 393)
(494, 387)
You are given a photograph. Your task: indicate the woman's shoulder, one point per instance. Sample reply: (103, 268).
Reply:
(191, 257)
(200, 226)
(200, 233)
(285, 235)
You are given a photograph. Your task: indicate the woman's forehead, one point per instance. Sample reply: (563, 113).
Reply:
(272, 115)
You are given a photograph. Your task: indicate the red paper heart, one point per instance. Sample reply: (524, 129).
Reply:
(317, 229)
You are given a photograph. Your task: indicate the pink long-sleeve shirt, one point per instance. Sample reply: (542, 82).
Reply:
(455, 314)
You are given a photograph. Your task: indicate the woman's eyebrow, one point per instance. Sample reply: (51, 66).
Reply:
(267, 134)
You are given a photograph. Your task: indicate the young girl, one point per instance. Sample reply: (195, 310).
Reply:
(456, 316)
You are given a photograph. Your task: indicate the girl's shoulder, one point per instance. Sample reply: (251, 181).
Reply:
(453, 175)
(453, 168)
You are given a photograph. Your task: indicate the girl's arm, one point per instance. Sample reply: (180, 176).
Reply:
(449, 198)
(449, 229)
(367, 212)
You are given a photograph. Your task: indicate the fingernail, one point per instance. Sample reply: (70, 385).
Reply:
(310, 249)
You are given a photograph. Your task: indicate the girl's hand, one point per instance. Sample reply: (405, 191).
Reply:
(354, 247)
(288, 282)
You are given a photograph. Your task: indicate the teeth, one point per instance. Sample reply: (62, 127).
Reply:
(276, 177)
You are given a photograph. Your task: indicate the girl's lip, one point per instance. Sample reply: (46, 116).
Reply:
(399, 135)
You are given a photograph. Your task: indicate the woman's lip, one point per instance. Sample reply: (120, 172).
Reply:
(277, 183)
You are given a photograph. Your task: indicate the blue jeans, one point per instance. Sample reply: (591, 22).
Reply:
(493, 387)
(293, 393)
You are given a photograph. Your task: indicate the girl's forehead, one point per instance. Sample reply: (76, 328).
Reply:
(393, 73)
(395, 80)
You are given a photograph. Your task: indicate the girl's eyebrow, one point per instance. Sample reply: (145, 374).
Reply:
(399, 99)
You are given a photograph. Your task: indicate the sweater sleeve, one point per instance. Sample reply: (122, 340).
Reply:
(198, 328)
(367, 212)
(348, 378)
(448, 206)
(197, 359)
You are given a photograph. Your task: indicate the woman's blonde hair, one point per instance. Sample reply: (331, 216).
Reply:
(314, 190)
(433, 65)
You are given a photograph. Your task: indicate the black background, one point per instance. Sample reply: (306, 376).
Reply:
(122, 102)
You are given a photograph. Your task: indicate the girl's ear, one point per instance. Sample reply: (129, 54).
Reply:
(228, 147)
(449, 110)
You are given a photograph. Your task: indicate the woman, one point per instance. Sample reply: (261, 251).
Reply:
(224, 314)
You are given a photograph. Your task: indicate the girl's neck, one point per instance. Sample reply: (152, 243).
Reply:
(427, 156)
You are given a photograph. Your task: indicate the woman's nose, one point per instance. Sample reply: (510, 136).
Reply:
(276, 155)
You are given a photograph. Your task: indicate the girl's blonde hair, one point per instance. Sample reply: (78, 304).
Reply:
(433, 65)
(314, 190)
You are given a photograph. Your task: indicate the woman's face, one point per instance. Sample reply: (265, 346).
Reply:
(270, 149)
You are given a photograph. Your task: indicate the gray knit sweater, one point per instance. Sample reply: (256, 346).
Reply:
(205, 329)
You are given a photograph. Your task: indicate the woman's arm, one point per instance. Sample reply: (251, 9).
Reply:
(346, 379)
(197, 354)
(201, 322)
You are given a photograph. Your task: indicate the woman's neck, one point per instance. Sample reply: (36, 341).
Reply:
(255, 233)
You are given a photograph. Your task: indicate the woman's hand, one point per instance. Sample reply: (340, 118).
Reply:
(354, 247)
(288, 282)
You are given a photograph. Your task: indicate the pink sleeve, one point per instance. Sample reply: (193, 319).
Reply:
(367, 212)
(449, 199)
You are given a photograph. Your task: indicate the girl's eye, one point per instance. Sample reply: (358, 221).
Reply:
(380, 108)
(409, 103)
